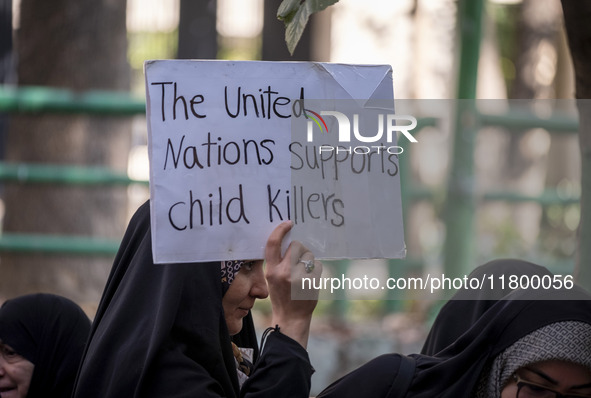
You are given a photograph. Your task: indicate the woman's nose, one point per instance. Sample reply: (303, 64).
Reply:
(259, 287)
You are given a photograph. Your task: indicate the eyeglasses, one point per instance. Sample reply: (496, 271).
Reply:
(528, 389)
(9, 354)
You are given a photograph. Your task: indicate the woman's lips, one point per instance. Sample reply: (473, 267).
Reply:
(244, 310)
(6, 391)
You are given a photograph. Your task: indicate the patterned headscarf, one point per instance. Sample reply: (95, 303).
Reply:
(229, 270)
(243, 356)
(568, 341)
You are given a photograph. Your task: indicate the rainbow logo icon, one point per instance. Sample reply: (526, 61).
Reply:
(317, 119)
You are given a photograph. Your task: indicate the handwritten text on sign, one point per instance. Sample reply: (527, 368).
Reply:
(225, 168)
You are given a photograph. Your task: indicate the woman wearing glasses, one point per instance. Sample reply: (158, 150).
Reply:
(42, 338)
(531, 344)
(550, 379)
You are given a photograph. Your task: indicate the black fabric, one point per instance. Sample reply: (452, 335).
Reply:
(468, 305)
(404, 376)
(374, 379)
(160, 330)
(283, 370)
(50, 331)
(455, 371)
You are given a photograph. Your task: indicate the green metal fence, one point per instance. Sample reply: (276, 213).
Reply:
(43, 100)
(461, 205)
(461, 200)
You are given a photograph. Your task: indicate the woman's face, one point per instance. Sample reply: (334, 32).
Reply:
(558, 376)
(249, 284)
(15, 373)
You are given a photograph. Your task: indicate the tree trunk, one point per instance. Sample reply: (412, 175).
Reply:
(197, 29)
(577, 15)
(80, 45)
(6, 64)
(538, 29)
(536, 52)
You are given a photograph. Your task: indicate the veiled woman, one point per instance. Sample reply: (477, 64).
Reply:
(530, 344)
(42, 339)
(467, 305)
(185, 330)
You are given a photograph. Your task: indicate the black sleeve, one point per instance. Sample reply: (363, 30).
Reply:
(283, 370)
(375, 379)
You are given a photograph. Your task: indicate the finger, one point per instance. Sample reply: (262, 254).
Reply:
(273, 247)
(297, 252)
(305, 282)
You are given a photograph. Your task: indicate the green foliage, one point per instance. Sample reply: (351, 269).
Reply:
(243, 48)
(146, 45)
(362, 310)
(559, 225)
(295, 14)
(509, 241)
(506, 19)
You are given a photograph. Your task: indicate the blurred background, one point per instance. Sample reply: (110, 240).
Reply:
(73, 154)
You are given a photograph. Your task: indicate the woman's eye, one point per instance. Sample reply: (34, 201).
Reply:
(534, 391)
(8, 352)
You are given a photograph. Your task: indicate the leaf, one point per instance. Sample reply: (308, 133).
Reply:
(295, 15)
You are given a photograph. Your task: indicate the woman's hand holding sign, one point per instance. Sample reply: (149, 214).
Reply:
(284, 273)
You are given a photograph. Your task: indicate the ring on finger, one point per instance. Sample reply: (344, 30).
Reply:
(308, 265)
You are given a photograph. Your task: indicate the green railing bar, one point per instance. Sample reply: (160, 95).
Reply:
(426, 121)
(51, 174)
(36, 243)
(556, 123)
(33, 99)
(420, 193)
(548, 197)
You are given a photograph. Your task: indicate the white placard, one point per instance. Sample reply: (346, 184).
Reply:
(224, 167)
